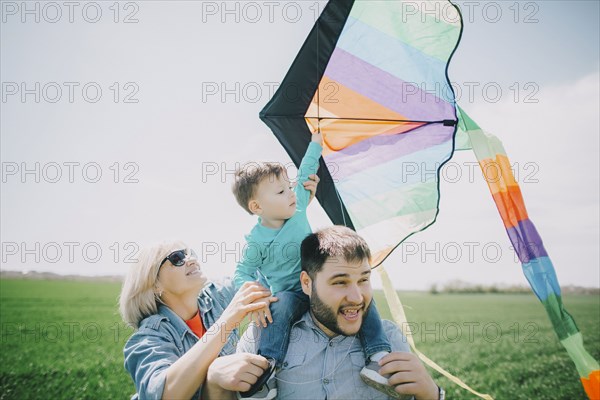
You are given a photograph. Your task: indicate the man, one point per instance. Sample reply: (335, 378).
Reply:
(325, 357)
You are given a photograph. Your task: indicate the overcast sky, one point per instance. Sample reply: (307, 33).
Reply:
(131, 116)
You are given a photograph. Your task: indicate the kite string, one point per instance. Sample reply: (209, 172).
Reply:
(318, 81)
(399, 316)
(341, 205)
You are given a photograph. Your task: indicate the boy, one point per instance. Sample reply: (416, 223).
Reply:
(272, 256)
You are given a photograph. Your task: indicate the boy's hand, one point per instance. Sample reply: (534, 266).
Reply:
(311, 185)
(317, 137)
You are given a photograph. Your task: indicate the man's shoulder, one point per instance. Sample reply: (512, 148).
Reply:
(389, 325)
(396, 337)
(390, 328)
(248, 343)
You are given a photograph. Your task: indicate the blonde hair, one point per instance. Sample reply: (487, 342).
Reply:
(138, 298)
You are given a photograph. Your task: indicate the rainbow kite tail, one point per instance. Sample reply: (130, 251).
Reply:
(536, 263)
(587, 366)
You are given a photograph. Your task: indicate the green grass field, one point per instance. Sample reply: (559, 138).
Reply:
(64, 340)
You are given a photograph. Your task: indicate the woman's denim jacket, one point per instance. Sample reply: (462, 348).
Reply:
(164, 337)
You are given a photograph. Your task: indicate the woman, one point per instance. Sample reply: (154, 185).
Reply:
(168, 300)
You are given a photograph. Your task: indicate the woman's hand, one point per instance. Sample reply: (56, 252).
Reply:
(311, 185)
(261, 316)
(245, 301)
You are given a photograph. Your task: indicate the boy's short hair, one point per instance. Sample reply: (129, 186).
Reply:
(335, 241)
(249, 176)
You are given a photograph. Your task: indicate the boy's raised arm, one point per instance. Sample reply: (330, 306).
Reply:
(308, 166)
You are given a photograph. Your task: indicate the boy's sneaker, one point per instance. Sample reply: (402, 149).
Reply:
(265, 387)
(370, 375)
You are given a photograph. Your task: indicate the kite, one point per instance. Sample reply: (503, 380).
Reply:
(372, 77)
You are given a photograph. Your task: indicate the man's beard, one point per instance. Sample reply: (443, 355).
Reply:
(329, 317)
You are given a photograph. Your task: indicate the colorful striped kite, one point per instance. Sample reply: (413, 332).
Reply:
(372, 77)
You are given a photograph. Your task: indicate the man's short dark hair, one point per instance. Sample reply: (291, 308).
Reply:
(335, 241)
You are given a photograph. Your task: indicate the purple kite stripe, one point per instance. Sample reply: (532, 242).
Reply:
(382, 148)
(384, 88)
(526, 241)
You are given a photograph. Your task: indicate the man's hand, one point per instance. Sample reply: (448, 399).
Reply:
(409, 375)
(236, 372)
(311, 185)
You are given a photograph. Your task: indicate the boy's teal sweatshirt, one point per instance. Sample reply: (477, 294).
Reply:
(276, 252)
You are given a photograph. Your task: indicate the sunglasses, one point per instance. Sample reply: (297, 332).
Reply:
(178, 257)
